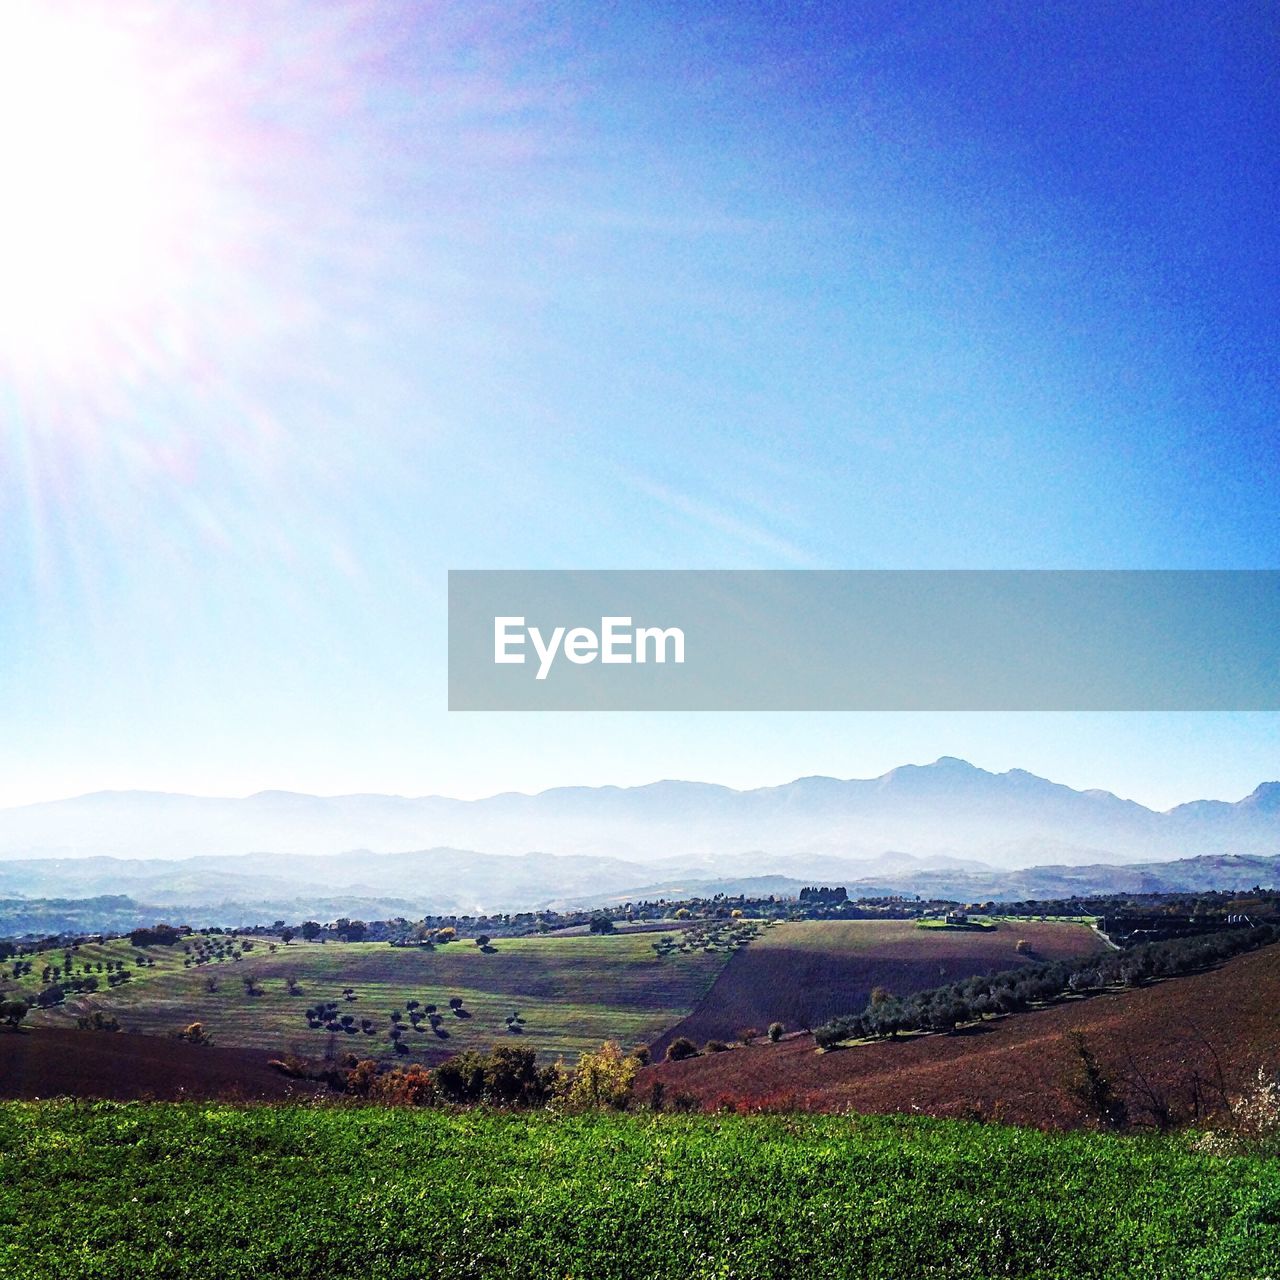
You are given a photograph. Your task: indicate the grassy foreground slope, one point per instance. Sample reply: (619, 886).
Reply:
(572, 992)
(120, 1192)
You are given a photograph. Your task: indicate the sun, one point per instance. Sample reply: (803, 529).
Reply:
(90, 225)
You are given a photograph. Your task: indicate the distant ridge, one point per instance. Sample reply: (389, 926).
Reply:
(948, 808)
(92, 894)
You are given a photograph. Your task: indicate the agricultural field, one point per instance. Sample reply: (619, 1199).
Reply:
(804, 972)
(53, 1062)
(559, 995)
(1209, 1031)
(257, 1192)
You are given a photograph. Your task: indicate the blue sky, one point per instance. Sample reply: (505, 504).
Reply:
(579, 286)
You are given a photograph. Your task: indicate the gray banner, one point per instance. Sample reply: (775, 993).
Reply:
(1141, 640)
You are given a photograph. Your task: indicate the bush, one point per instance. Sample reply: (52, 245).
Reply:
(50, 996)
(12, 1012)
(603, 1079)
(505, 1076)
(775, 1032)
(1252, 1126)
(98, 1021)
(714, 1046)
(680, 1049)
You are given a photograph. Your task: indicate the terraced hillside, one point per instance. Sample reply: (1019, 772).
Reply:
(802, 973)
(569, 993)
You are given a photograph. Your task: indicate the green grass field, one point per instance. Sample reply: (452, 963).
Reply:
(571, 992)
(122, 1192)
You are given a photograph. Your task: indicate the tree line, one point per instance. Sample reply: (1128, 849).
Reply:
(1013, 990)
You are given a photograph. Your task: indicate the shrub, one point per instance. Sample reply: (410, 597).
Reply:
(680, 1049)
(361, 1077)
(12, 1012)
(1091, 1086)
(291, 1065)
(1252, 1126)
(748, 1035)
(775, 1032)
(504, 1076)
(98, 1021)
(714, 1046)
(603, 1079)
(412, 1087)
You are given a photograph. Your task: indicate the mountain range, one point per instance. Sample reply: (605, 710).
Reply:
(947, 829)
(948, 809)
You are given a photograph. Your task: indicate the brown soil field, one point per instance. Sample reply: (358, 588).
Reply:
(50, 1062)
(803, 973)
(1017, 1068)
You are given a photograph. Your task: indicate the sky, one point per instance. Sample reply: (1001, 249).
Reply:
(303, 305)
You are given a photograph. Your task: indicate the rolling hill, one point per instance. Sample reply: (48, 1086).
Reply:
(1169, 1036)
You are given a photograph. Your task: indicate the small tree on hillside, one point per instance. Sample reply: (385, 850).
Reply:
(12, 1012)
(603, 1078)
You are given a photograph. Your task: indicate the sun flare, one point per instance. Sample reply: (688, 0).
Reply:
(90, 223)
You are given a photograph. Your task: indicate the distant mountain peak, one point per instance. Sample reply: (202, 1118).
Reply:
(1265, 796)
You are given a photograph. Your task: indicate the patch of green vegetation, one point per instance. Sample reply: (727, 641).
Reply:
(124, 1192)
(567, 993)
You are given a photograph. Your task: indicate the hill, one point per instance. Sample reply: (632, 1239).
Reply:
(1169, 1034)
(803, 973)
(571, 993)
